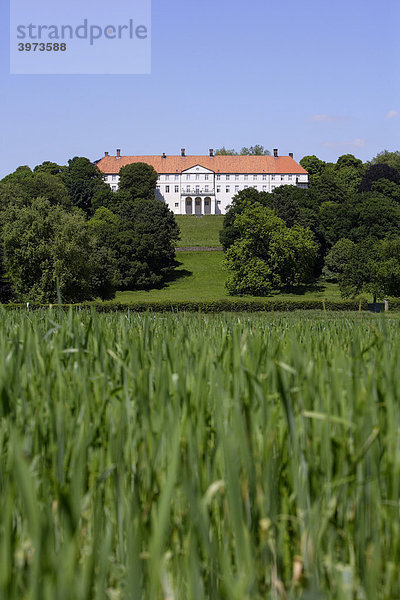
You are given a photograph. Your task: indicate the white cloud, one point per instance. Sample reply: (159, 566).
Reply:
(392, 114)
(357, 143)
(327, 118)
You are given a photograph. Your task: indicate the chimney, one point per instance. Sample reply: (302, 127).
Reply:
(275, 152)
(164, 155)
(291, 154)
(105, 153)
(183, 152)
(118, 153)
(211, 151)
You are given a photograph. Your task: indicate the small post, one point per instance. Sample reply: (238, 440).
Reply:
(386, 303)
(27, 306)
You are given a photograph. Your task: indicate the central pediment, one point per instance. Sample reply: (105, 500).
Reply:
(197, 169)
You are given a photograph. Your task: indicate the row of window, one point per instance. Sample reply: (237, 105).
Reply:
(189, 190)
(206, 177)
(255, 177)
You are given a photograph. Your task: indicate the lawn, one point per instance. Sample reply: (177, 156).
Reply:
(199, 231)
(200, 276)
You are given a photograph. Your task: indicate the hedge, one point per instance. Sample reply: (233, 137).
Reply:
(217, 306)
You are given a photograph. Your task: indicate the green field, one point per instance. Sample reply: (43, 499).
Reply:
(199, 231)
(200, 276)
(191, 457)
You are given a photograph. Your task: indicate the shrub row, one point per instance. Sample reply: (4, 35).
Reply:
(217, 306)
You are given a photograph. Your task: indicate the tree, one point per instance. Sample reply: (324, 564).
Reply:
(376, 172)
(256, 150)
(268, 255)
(229, 232)
(141, 235)
(46, 246)
(51, 168)
(314, 166)
(139, 180)
(373, 267)
(83, 181)
(225, 152)
(389, 158)
(337, 258)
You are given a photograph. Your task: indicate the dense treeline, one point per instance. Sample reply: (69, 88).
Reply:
(62, 230)
(345, 226)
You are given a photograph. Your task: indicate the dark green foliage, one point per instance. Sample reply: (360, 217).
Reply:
(84, 181)
(376, 172)
(141, 235)
(139, 180)
(389, 158)
(50, 167)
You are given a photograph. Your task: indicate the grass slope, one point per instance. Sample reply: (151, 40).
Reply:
(199, 231)
(200, 276)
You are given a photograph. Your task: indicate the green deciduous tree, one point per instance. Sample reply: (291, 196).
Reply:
(373, 267)
(268, 255)
(45, 246)
(139, 180)
(337, 258)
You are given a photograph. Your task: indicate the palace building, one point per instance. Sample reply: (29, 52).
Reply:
(205, 185)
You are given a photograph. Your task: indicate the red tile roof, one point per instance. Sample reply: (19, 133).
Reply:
(218, 164)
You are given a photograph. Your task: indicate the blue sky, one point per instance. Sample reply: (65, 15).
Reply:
(310, 77)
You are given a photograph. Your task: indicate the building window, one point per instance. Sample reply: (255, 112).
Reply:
(176, 177)
(282, 177)
(227, 189)
(206, 177)
(218, 201)
(188, 188)
(228, 177)
(158, 187)
(254, 177)
(167, 189)
(167, 178)
(176, 204)
(264, 177)
(245, 187)
(114, 178)
(246, 177)
(273, 177)
(197, 189)
(187, 177)
(264, 188)
(236, 188)
(176, 189)
(114, 188)
(206, 188)
(218, 177)
(236, 177)
(218, 188)
(290, 177)
(197, 176)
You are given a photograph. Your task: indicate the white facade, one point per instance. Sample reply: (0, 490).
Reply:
(199, 190)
